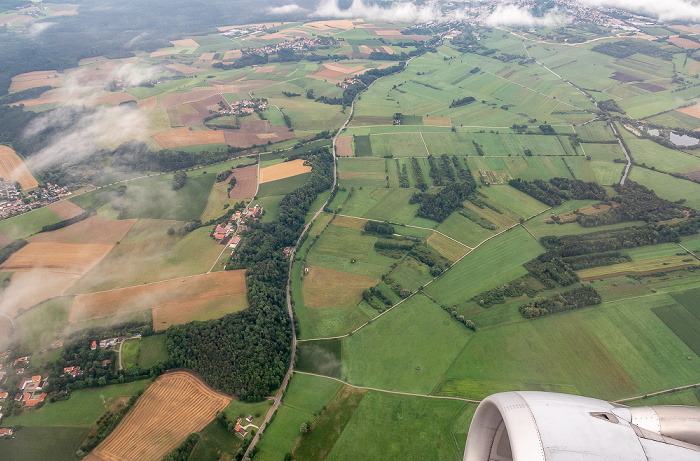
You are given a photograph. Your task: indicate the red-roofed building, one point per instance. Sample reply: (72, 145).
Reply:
(35, 400)
(106, 362)
(5, 431)
(234, 243)
(240, 429)
(3, 396)
(93, 346)
(24, 359)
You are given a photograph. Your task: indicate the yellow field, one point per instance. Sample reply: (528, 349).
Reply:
(67, 258)
(172, 302)
(437, 121)
(349, 221)
(36, 79)
(327, 287)
(447, 247)
(174, 406)
(13, 169)
(181, 137)
(187, 42)
(665, 263)
(283, 170)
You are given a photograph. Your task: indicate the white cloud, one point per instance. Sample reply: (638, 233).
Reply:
(513, 15)
(285, 9)
(402, 12)
(667, 10)
(38, 27)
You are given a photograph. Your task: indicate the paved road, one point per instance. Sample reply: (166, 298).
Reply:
(624, 150)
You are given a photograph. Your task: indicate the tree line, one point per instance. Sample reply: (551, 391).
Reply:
(561, 302)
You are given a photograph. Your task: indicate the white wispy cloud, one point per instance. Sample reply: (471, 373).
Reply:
(402, 12)
(666, 10)
(285, 9)
(513, 15)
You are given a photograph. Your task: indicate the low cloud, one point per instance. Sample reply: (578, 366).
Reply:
(513, 15)
(285, 9)
(133, 75)
(37, 28)
(402, 12)
(667, 10)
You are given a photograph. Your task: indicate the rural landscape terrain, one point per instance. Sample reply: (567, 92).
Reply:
(308, 232)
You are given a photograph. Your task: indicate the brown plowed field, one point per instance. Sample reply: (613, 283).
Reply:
(388, 50)
(67, 258)
(111, 98)
(349, 221)
(148, 103)
(684, 43)
(174, 406)
(30, 287)
(36, 79)
(324, 287)
(343, 147)
(246, 182)
(233, 54)
(157, 53)
(65, 209)
(283, 170)
(186, 42)
(180, 137)
(177, 114)
(172, 301)
(91, 230)
(12, 168)
(693, 110)
(184, 98)
(256, 132)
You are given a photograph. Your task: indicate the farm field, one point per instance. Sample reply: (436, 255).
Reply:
(13, 169)
(283, 170)
(147, 254)
(56, 443)
(175, 405)
(27, 224)
(172, 302)
(152, 350)
(246, 182)
(282, 186)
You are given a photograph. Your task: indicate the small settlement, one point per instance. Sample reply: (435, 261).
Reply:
(12, 203)
(226, 232)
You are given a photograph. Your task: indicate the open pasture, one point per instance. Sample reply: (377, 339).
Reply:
(94, 229)
(411, 274)
(495, 262)
(282, 186)
(668, 187)
(174, 406)
(13, 169)
(384, 205)
(283, 170)
(398, 145)
(595, 132)
(647, 152)
(323, 287)
(172, 301)
(147, 254)
(408, 349)
(676, 119)
(513, 203)
(463, 230)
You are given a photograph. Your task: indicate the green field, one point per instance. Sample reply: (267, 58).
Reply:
(420, 429)
(363, 146)
(130, 353)
(55, 443)
(495, 262)
(44, 323)
(407, 349)
(215, 442)
(28, 224)
(152, 351)
(282, 186)
(667, 186)
(82, 409)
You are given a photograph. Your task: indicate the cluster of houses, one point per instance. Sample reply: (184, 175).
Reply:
(30, 391)
(104, 343)
(239, 429)
(348, 81)
(11, 202)
(223, 231)
(245, 107)
(253, 30)
(298, 44)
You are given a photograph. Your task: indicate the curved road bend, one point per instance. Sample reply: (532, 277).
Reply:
(290, 311)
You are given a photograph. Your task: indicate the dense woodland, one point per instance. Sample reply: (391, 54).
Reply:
(561, 302)
(459, 184)
(247, 353)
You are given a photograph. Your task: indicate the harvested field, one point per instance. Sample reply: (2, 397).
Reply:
(4, 239)
(343, 147)
(207, 56)
(22, 294)
(65, 209)
(50, 97)
(177, 114)
(693, 110)
(366, 49)
(186, 42)
(333, 24)
(447, 247)
(184, 69)
(327, 287)
(256, 132)
(162, 52)
(570, 216)
(437, 121)
(181, 137)
(692, 30)
(174, 406)
(625, 78)
(67, 258)
(283, 170)
(36, 79)
(649, 266)
(684, 43)
(172, 301)
(650, 86)
(233, 54)
(148, 103)
(388, 50)
(371, 120)
(177, 99)
(349, 221)
(95, 230)
(246, 182)
(12, 168)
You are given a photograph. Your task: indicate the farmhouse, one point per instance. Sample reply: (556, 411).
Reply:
(73, 371)
(222, 231)
(239, 429)
(30, 384)
(19, 371)
(234, 243)
(3, 396)
(23, 360)
(93, 346)
(106, 343)
(106, 362)
(5, 431)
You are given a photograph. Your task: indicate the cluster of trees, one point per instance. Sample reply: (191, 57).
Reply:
(462, 101)
(375, 298)
(624, 48)
(379, 227)
(635, 202)
(418, 174)
(479, 148)
(561, 302)
(247, 353)
(459, 317)
(9, 249)
(179, 180)
(365, 80)
(222, 175)
(67, 222)
(480, 220)
(498, 295)
(558, 190)
(184, 450)
(402, 172)
(459, 186)
(547, 129)
(550, 269)
(289, 94)
(610, 105)
(435, 261)
(105, 425)
(397, 288)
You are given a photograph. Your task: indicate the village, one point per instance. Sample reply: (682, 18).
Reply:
(226, 232)
(12, 203)
(299, 44)
(244, 107)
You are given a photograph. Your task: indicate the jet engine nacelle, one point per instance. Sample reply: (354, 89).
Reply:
(543, 426)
